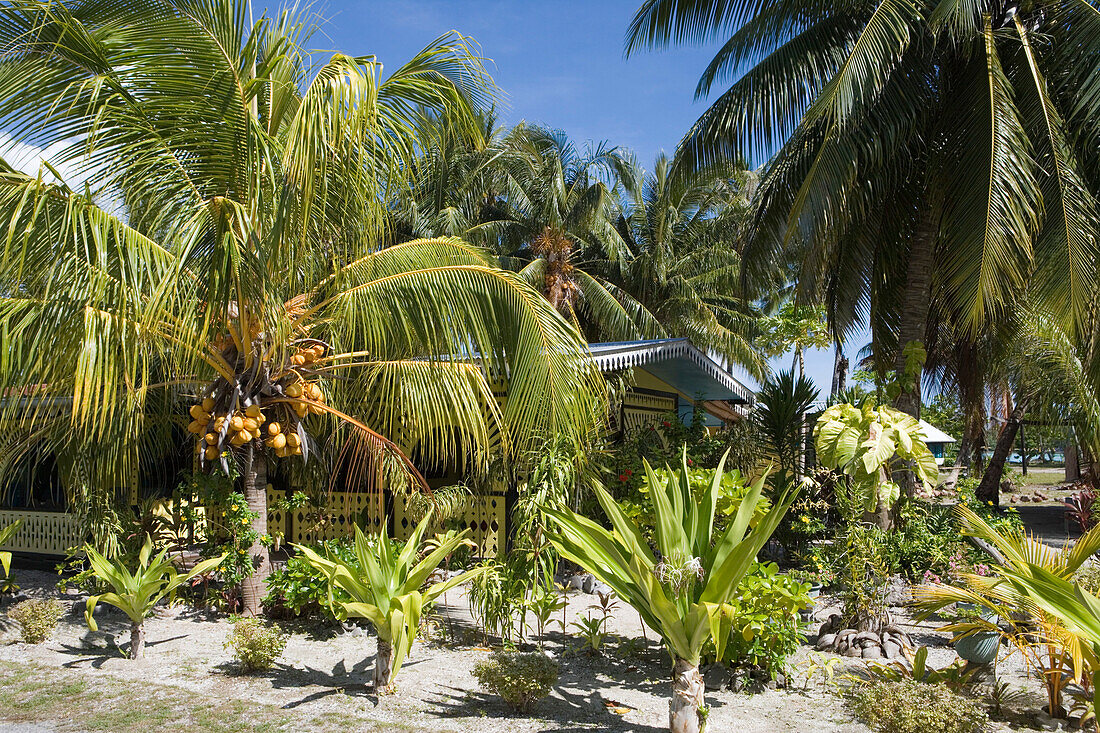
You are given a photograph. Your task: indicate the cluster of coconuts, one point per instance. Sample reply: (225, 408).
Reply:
(252, 424)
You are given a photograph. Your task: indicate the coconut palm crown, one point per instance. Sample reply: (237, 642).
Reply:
(221, 252)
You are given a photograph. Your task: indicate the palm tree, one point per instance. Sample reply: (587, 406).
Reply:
(960, 135)
(556, 226)
(224, 251)
(681, 234)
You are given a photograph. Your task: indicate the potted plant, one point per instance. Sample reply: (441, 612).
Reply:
(979, 647)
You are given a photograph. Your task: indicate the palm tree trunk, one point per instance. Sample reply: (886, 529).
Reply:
(383, 667)
(254, 477)
(840, 370)
(989, 490)
(137, 639)
(685, 712)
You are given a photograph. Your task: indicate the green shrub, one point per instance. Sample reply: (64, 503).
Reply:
(255, 644)
(521, 678)
(766, 627)
(300, 589)
(37, 618)
(915, 707)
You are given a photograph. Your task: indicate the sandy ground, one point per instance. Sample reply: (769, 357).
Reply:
(325, 669)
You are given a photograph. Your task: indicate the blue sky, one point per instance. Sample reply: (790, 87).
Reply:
(558, 63)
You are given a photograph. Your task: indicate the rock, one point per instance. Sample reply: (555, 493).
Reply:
(589, 584)
(576, 582)
(97, 640)
(716, 678)
(599, 587)
(867, 636)
(872, 651)
(1025, 497)
(738, 680)
(898, 592)
(852, 651)
(828, 641)
(891, 648)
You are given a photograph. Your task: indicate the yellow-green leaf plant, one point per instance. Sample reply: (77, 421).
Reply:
(870, 444)
(1036, 633)
(136, 593)
(682, 590)
(386, 587)
(6, 535)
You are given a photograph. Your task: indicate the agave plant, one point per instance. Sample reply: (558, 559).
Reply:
(1050, 650)
(136, 593)
(386, 588)
(683, 591)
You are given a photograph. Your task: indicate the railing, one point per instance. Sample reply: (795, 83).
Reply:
(45, 533)
(485, 516)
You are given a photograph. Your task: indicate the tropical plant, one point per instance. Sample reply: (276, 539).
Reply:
(781, 419)
(683, 591)
(989, 108)
(680, 256)
(255, 644)
(543, 604)
(384, 585)
(37, 618)
(869, 445)
(521, 678)
(240, 268)
(1029, 626)
(954, 677)
(796, 328)
(907, 706)
(136, 593)
(6, 535)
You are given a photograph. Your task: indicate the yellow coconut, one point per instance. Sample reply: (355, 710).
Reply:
(211, 439)
(301, 408)
(277, 442)
(245, 436)
(297, 360)
(252, 411)
(315, 409)
(198, 413)
(196, 427)
(292, 440)
(237, 423)
(208, 404)
(273, 428)
(249, 424)
(294, 390)
(211, 453)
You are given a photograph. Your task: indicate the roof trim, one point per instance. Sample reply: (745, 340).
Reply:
(932, 434)
(619, 355)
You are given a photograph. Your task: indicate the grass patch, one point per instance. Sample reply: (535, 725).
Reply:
(33, 694)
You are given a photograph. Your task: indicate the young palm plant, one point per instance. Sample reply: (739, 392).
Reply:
(239, 268)
(387, 588)
(683, 591)
(1013, 615)
(136, 593)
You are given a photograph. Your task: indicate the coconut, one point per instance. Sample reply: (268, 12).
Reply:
(277, 442)
(237, 423)
(244, 436)
(273, 428)
(211, 439)
(196, 427)
(208, 404)
(294, 390)
(198, 413)
(292, 440)
(252, 411)
(211, 453)
(301, 408)
(297, 360)
(249, 424)
(315, 409)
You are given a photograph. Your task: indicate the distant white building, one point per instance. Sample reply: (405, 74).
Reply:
(936, 440)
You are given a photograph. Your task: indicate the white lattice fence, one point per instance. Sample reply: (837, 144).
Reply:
(46, 533)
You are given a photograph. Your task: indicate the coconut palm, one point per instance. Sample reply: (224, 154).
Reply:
(223, 252)
(556, 226)
(682, 233)
(909, 134)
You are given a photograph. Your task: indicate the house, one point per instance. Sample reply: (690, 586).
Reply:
(667, 376)
(936, 440)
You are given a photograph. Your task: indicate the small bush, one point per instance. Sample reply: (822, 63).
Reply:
(916, 707)
(37, 618)
(521, 678)
(255, 645)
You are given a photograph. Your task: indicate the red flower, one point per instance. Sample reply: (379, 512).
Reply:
(629, 472)
(691, 462)
(622, 477)
(666, 423)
